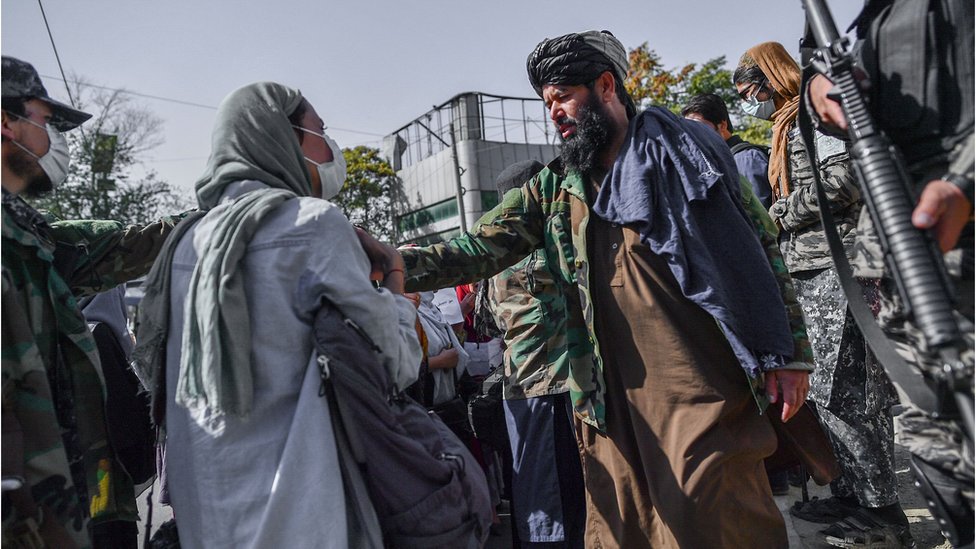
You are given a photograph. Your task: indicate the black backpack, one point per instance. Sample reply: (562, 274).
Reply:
(127, 415)
(427, 489)
(487, 414)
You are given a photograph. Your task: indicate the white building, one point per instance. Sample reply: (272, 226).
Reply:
(490, 133)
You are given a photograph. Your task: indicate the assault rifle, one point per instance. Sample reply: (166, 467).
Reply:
(911, 255)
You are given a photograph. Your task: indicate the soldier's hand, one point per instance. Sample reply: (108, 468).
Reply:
(828, 110)
(943, 208)
(789, 385)
(386, 264)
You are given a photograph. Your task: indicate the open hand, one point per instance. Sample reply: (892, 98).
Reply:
(791, 386)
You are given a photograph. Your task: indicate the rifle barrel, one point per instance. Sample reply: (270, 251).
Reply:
(821, 22)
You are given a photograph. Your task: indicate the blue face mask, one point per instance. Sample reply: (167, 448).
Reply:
(759, 109)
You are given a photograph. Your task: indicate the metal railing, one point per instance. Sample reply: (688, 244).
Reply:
(475, 115)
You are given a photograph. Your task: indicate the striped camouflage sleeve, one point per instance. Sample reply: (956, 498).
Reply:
(94, 256)
(801, 208)
(502, 237)
(802, 352)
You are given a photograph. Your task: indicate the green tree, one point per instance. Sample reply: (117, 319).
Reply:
(366, 196)
(649, 82)
(106, 155)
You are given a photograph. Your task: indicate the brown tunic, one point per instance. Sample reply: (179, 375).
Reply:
(682, 462)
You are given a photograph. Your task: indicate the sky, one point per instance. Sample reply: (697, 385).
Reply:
(368, 66)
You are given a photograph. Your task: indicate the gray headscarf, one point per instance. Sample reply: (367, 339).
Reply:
(252, 140)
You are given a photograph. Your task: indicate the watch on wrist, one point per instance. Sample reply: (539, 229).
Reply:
(965, 184)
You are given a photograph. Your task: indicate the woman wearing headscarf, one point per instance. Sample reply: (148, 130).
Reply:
(251, 455)
(446, 358)
(850, 389)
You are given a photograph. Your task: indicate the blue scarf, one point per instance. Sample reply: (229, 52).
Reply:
(676, 184)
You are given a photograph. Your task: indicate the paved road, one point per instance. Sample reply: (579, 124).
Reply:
(806, 535)
(802, 534)
(924, 528)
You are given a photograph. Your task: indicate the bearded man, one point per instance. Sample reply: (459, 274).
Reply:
(681, 321)
(55, 440)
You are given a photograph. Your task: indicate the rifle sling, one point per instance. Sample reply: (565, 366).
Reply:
(908, 378)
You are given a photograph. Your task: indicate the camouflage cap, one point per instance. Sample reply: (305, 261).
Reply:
(20, 79)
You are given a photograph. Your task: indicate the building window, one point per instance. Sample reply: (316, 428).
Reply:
(414, 220)
(489, 199)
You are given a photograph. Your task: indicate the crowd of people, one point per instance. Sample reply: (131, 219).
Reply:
(657, 310)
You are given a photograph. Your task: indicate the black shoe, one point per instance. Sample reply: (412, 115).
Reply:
(824, 511)
(779, 482)
(866, 530)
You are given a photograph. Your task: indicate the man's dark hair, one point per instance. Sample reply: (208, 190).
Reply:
(749, 75)
(710, 107)
(622, 95)
(15, 105)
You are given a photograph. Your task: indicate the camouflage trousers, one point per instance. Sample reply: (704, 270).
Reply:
(938, 442)
(852, 393)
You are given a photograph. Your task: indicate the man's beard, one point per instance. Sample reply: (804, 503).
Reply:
(581, 150)
(25, 167)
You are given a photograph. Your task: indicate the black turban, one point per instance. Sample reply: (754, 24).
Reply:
(577, 58)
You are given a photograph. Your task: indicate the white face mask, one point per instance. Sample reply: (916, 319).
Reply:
(56, 160)
(759, 109)
(331, 174)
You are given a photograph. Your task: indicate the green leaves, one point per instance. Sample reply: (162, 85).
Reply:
(366, 196)
(649, 82)
(105, 152)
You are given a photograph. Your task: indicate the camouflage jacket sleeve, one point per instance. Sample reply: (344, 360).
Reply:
(768, 233)
(94, 256)
(963, 161)
(800, 208)
(501, 238)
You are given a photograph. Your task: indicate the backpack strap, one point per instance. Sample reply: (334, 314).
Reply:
(745, 145)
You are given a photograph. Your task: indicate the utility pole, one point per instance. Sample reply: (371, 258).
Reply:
(457, 180)
(457, 171)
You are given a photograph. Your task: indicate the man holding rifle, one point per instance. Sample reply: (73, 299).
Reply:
(918, 56)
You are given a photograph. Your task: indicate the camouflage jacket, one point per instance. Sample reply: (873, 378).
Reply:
(803, 242)
(529, 307)
(52, 381)
(538, 215)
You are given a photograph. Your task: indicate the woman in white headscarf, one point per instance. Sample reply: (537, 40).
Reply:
(446, 357)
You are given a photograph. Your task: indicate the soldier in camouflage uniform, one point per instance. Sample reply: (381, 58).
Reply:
(918, 57)
(529, 307)
(852, 394)
(54, 433)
